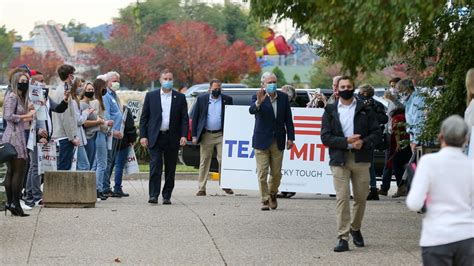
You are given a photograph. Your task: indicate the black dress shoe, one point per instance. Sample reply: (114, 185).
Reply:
(341, 246)
(119, 193)
(153, 200)
(166, 202)
(357, 238)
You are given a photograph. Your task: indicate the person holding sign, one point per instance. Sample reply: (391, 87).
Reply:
(163, 128)
(208, 124)
(350, 131)
(273, 124)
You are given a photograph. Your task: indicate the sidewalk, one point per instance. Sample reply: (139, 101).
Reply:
(216, 229)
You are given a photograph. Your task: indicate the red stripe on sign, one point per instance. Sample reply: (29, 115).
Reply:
(307, 125)
(307, 118)
(307, 132)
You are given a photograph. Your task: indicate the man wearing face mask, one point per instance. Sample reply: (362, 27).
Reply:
(163, 128)
(273, 132)
(393, 87)
(44, 131)
(65, 124)
(113, 112)
(350, 131)
(207, 130)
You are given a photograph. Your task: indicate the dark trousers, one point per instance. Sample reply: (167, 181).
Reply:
(400, 160)
(66, 154)
(110, 165)
(164, 151)
(460, 253)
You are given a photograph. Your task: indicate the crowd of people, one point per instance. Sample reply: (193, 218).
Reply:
(94, 131)
(85, 119)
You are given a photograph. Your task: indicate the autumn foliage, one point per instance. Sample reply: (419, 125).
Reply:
(46, 63)
(191, 50)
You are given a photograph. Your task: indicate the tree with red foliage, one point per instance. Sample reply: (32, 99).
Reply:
(195, 53)
(46, 63)
(126, 54)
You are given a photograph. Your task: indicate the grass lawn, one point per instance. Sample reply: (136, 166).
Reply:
(179, 168)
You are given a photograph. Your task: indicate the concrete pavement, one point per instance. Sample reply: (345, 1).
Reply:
(212, 230)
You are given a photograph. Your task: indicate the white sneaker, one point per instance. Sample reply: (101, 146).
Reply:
(24, 206)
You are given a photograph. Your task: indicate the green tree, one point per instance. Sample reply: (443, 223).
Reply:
(281, 81)
(6, 48)
(76, 30)
(296, 79)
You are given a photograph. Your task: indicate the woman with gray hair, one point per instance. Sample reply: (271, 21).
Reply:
(443, 186)
(291, 92)
(18, 114)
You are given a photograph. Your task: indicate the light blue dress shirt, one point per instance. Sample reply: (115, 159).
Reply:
(414, 115)
(112, 109)
(214, 114)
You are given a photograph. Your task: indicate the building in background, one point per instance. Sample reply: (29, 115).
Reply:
(50, 37)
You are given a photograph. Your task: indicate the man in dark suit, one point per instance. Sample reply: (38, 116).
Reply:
(163, 128)
(273, 123)
(207, 129)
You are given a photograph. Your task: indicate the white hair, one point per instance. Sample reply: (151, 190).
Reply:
(102, 77)
(266, 75)
(111, 74)
(454, 131)
(336, 79)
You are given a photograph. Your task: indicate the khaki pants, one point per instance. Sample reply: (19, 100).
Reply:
(358, 174)
(208, 142)
(273, 158)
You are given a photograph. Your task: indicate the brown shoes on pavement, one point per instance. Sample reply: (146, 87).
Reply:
(265, 206)
(201, 193)
(228, 191)
(273, 202)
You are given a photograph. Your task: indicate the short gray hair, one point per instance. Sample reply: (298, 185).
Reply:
(406, 84)
(367, 88)
(454, 131)
(290, 90)
(111, 74)
(266, 75)
(336, 79)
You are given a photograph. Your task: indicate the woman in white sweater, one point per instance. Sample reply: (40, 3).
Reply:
(443, 186)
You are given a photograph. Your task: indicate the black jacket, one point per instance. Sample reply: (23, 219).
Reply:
(332, 135)
(129, 132)
(199, 113)
(151, 118)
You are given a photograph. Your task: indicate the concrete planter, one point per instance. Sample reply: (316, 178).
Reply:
(69, 189)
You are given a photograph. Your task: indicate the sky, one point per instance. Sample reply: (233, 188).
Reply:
(21, 15)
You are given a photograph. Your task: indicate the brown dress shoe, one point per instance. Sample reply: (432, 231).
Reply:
(201, 193)
(265, 206)
(228, 191)
(273, 202)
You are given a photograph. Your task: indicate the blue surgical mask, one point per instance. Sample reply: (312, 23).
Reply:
(271, 87)
(167, 84)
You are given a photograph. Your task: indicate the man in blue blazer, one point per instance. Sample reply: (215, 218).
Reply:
(207, 129)
(273, 123)
(163, 128)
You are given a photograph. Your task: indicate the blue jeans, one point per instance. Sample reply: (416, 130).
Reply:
(120, 161)
(66, 154)
(90, 150)
(33, 183)
(110, 165)
(82, 161)
(100, 162)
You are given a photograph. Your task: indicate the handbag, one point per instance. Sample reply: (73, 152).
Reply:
(7, 152)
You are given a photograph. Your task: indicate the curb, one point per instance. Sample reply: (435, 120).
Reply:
(146, 176)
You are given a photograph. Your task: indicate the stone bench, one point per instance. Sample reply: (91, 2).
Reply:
(69, 189)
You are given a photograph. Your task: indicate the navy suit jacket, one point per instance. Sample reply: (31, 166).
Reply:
(268, 127)
(150, 120)
(199, 113)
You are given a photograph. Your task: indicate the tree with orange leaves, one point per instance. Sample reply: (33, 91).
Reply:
(46, 63)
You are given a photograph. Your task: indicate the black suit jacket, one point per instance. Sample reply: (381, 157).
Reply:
(199, 113)
(268, 127)
(151, 118)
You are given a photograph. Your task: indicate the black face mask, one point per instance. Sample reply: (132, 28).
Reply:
(45, 93)
(347, 94)
(104, 92)
(89, 94)
(23, 86)
(216, 93)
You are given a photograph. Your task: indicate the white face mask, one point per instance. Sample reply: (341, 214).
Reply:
(115, 86)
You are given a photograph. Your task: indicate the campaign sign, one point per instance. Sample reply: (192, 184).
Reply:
(135, 107)
(305, 166)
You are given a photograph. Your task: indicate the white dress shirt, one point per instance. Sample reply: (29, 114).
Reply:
(166, 110)
(444, 183)
(346, 116)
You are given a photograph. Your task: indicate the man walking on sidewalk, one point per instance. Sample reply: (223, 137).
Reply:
(273, 123)
(207, 129)
(350, 131)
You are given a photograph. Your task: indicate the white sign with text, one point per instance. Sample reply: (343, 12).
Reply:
(305, 167)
